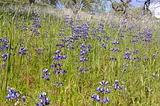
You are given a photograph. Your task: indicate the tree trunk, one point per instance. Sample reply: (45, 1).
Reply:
(31, 1)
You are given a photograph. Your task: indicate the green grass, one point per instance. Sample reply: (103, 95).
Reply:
(23, 72)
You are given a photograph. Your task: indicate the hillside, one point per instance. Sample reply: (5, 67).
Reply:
(52, 57)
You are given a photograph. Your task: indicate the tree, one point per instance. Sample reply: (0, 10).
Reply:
(53, 2)
(31, 1)
(77, 5)
(146, 6)
(82, 3)
(120, 7)
(88, 5)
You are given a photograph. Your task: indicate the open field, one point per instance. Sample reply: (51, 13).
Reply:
(92, 61)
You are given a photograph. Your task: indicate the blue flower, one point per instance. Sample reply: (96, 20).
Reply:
(115, 42)
(25, 27)
(46, 74)
(107, 90)
(23, 98)
(12, 94)
(44, 101)
(57, 84)
(83, 70)
(104, 100)
(116, 85)
(22, 51)
(97, 98)
(102, 89)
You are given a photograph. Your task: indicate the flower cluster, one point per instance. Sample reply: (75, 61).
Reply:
(36, 25)
(127, 56)
(12, 94)
(44, 101)
(115, 42)
(116, 85)
(98, 99)
(58, 69)
(70, 42)
(154, 56)
(25, 28)
(113, 58)
(4, 45)
(83, 70)
(39, 51)
(58, 64)
(147, 35)
(58, 84)
(84, 50)
(58, 56)
(100, 27)
(23, 98)
(115, 49)
(103, 45)
(102, 89)
(84, 30)
(5, 55)
(46, 74)
(156, 76)
(60, 45)
(68, 21)
(22, 51)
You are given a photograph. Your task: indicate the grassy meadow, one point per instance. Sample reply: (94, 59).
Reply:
(51, 61)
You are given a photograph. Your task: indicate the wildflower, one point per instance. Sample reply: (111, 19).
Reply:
(83, 70)
(154, 75)
(107, 37)
(23, 98)
(116, 85)
(103, 83)
(12, 94)
(115, 42)
(35, 25)
(134, 41)
(4, 56)
(44, 101)
(102, 89)
(107, 90)
(22, 51)
(135, 52)
(115, 49)
(39, 50)
(113, 58)
(46, 74)
(58, 84)
(103, 45)
(146, 59)
(154, 56)
(104, 100)
(83, 59)
(58, 64)
(127, 56)
(25, 28)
